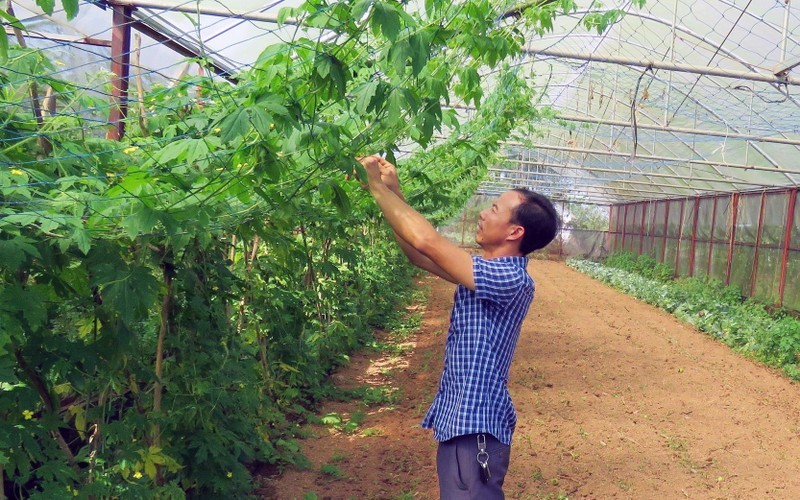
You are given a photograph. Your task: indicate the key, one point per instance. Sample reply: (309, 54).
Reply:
(486, 474)
(483, 459)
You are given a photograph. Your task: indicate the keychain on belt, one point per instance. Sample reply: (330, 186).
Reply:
(483, 459)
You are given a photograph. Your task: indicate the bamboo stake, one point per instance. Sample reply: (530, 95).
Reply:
(135, 59)
(166, 305)
(44, 143)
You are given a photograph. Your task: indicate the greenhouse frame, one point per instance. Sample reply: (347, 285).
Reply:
(178, 188)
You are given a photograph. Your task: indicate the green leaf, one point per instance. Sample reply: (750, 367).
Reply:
(47, 5)
(386, 20)
(81, 238)
(419, 45)
(196, 149)
(172, 151)
(261, 120)
(273, 104)
(127, 289)
(333, 71)
(19, 220)
(70, 8)
(364, 94)
(360, 8)
(13, 21)
(140, 222)
(235, 125)
(3, 46)
(13, 251)
(398, 55)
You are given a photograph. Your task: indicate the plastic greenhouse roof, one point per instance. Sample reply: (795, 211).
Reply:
(716, 109)
(678, 98)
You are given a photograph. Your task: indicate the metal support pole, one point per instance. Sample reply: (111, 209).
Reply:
(711, 235)
(654, 206)
(120, 66)
(624, 225)
(666, 229)
(679, 244)
(759, 232)
(641, 226)
(693, 249)
(787, 243)
(732, 240)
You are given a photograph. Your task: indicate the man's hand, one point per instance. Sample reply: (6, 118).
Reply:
(389, 176)
(373, 167)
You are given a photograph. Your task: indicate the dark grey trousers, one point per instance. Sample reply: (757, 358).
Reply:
(459, 470)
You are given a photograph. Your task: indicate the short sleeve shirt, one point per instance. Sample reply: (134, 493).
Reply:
(484, 327)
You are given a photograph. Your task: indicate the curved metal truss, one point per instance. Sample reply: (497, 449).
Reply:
(679, 98)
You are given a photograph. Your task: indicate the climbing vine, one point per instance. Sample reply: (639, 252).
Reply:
(170, 304)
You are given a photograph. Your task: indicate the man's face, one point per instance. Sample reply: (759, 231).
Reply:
(494, 223)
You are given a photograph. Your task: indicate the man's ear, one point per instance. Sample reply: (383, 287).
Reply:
(516, 233)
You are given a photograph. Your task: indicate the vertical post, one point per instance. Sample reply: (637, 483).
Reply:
(666, 230)
(624, 224)
(711, 236)
(754, 272)
(732, 240)
(787, 242)
(679, 244)
(641, 226)
(653, 228)
(120, 66)
(696, 202)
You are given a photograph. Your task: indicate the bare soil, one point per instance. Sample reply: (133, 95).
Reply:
(615, 399)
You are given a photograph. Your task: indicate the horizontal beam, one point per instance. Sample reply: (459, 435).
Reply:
(668, 66)
(58, 37)
(645, 174)
(628, 181)
(181, 48)
(658, 158)
(609, 186)
(627, 193)
(195, 8)
(681, 130)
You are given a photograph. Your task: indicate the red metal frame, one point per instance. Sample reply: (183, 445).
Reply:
(641, 226)
(680, 237)
(666, 230)
(694, 235)
(120, 66)
(787, 243)
(711, 236)
(759, 231)
(624, 225)
(732, 239)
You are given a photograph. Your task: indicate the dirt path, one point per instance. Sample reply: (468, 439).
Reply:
(615, 399)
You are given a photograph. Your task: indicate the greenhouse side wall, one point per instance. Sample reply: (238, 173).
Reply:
(748, 240)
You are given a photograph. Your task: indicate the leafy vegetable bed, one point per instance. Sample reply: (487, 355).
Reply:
(747, 326)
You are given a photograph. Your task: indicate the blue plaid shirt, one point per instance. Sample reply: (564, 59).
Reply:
(484, 328)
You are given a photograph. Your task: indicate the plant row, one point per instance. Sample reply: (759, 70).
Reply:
(715, 309)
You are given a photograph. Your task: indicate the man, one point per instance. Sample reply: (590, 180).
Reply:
(472, 415)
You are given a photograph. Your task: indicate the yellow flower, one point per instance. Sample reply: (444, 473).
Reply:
(229, 474)
(17, 171)
(137, 475)
(27, 414)
(217, 130)
(130, 150)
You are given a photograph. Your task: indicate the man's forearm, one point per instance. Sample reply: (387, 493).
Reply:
(408, 224)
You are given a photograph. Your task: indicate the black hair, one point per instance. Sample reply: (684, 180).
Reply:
(537, 215)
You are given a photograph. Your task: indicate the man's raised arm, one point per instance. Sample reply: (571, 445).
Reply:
(418, 239)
